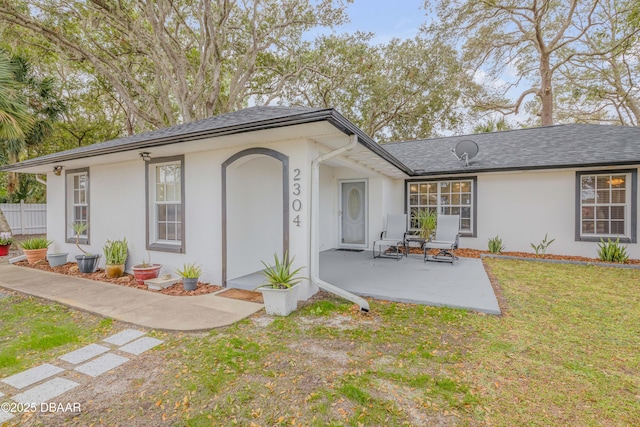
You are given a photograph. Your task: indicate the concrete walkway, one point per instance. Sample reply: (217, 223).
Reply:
(130, 305)
(462, 285)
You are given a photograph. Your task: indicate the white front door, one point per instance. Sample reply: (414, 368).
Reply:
(353, 213)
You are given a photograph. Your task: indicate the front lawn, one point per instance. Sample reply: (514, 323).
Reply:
(566, 353)
(33, 331)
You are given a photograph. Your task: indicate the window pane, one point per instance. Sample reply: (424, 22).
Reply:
(588, 196)
(617, 227)
(587, 182)
(602, 212)
(602, 227)
(602, 182)
(162, 231)
(465, 199)
(617, 212)
(455, 211)
(433, 199)
(603, 196)
(618, 196)
(160, 193)
(162, 212)
(445, 211)
(588, 227)
(445, 187)
(618, 181)
(465, 187)
(444, 200)
(465, 212)
(413, 188)
(171, 231)
(455, 186)
(424, 199)
(424, 188)
(413, 200)
(465, 224)
(171, 213)
(587, 213)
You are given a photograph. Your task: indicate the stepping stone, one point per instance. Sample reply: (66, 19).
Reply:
(5, 416)
(124, 337)
(45, 391)
(102, 364)
(85, 353)
(32, 376)
(1, 394)
(141, 345)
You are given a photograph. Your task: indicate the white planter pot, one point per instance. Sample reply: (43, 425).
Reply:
(280, 302)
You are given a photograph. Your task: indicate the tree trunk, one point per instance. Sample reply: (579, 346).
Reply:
(546, 91)
(4, 224)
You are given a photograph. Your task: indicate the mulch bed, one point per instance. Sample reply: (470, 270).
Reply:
(71, 269)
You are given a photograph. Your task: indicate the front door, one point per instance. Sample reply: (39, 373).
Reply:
(353, 213)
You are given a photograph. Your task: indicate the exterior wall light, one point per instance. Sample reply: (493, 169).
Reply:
(145, 155)
(57, 170)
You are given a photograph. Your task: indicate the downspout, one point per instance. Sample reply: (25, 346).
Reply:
(314, 248)
(41, 181)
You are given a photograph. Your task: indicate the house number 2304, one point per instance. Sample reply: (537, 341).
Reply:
(296, 204)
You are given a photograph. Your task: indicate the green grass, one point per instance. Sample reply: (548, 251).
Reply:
(566, 353)
(33, 332)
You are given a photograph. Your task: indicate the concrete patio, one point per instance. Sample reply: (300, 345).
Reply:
(462, 285)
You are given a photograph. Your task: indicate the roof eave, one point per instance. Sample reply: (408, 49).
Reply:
(525, 168)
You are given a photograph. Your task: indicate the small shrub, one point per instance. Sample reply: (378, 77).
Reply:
(541, 248)
(35, 243)
(612, 251)
(189, 271)
(495, 245)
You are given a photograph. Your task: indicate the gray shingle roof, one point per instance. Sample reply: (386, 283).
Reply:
(233, 122)
(550, 147)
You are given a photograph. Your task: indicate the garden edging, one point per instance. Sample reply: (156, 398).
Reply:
(561, 261)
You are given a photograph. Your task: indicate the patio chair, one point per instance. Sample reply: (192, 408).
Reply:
(446, 239)
(393, 238)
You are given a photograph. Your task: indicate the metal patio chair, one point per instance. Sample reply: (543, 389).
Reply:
(393, 238)
(446, 239)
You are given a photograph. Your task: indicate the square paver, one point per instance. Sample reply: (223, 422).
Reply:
(141, 345)
(124, 337)
(5, 416)
(102, 364)
(85, 353)
(32, 376)
(45, 391)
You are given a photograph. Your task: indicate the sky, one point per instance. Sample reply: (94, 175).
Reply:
(386, 18)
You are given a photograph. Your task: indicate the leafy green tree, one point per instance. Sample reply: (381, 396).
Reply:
(536, 38)
(491, 126)
(174, 61)
(400, 90)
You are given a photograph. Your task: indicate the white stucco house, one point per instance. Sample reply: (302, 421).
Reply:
(230, 191)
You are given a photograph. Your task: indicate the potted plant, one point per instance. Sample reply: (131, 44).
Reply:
(87, 262)
(280, 293)
(190, 274)
(115, 253)
(57, 259)
(146, 271)
(35, 249)
(427, 221)
(5, 243)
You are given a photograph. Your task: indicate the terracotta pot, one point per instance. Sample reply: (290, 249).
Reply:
(143, 273)
(35, 255)
(4, 250)
(114, 271)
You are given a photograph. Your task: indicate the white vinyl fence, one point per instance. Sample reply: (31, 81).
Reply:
(26, 218)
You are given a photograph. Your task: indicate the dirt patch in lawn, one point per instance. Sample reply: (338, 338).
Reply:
(71, 269)
(243, 295)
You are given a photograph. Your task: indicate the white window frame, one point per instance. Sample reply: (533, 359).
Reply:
(153, 240)
(72, 203)
(472, 231)
(630, 213)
